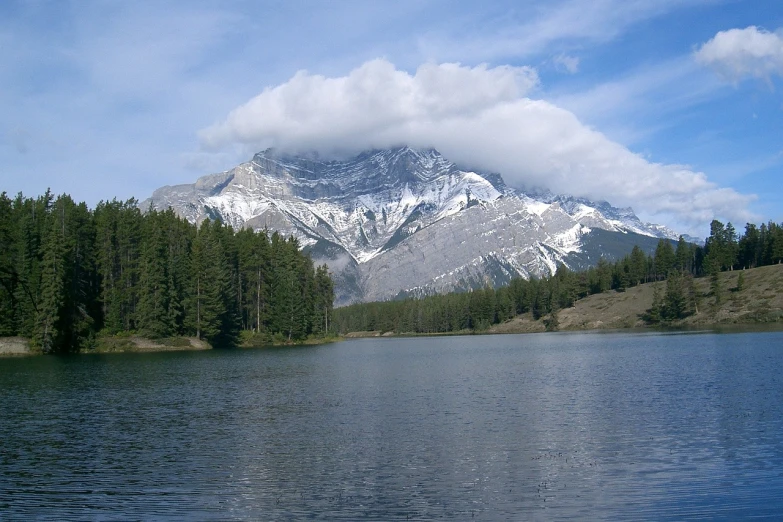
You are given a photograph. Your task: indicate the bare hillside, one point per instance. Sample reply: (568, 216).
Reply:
(759, 301)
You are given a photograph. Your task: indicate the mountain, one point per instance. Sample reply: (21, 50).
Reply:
(408, 221)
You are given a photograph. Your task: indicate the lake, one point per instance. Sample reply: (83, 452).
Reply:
(539, 426)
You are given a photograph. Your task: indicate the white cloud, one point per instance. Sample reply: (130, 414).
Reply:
(739, 53)
(368, 106)
(479, 117)
(565, 63)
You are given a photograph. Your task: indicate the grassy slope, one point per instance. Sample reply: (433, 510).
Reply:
(760, 301)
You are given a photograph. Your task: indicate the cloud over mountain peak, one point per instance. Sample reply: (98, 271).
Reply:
(480, 116)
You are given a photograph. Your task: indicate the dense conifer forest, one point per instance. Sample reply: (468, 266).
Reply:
(69, 274)
(677, 264)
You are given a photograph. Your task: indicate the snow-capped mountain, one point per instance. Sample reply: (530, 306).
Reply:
(407, 221)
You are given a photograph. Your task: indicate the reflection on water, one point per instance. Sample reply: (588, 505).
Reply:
(599, 426)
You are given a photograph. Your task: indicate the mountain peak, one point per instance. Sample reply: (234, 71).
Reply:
(402, 218)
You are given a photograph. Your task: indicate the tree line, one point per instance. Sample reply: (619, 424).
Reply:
(69, 274)
(676, 263)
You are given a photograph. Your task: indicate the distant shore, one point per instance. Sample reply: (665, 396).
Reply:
(757, 305)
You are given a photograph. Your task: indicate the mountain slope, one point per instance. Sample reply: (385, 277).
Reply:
(407, 222)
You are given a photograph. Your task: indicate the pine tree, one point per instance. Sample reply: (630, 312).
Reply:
(48, 334)
(749, 247)
(665, 259)
(108, 262)
(32, 217)
(211, 305)
(9, 277)
(153, 316)
(129, 224)
(655, 314)
(323, 301)
(290, 315)
(638, 266)
(676, 304)
(715, 286)
(682, 256)
(603, 271)
(83, 291)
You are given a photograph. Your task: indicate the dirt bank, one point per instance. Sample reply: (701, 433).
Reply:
(13, 346)
(143, 344)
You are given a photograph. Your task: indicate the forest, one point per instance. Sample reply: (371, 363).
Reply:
(69, 274)
(678, 264)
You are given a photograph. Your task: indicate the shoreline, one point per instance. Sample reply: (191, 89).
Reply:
(13, 347)
(20, 346)
(755, 306)
(663, 329)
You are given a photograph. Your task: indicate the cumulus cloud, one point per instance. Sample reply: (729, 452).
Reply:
(372, 102)
(479, 117)
(740, 53)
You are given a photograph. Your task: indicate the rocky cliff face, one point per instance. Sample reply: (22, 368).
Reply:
(405, 221)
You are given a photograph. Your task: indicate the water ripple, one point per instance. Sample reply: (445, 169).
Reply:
(595, 426)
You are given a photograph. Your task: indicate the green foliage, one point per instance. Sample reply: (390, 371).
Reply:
(679, 300)
(716, 287)
(665, 259)
(722, 247)
(655, 313)
(552, 323)
(69, 275)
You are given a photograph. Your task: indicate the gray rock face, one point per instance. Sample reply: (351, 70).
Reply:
(401, 221)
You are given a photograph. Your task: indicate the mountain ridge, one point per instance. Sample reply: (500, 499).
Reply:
(392, 222)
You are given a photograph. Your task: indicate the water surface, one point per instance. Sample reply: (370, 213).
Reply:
(545, 426)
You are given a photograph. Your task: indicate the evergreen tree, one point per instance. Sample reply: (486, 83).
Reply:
(31, 226)
(603, 276)
(665, 259)
(48, 334)
(108, 262)
(9, 278)
(288, 290)
(715, 286)
(638, 266)
(129, 222)
(83, 290)
(154, 314)
(210, 306)
(655, 313)
(323, 301)
(683, 256)
(750, 247)
(676, 303)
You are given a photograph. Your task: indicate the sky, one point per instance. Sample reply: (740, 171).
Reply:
(672, 107)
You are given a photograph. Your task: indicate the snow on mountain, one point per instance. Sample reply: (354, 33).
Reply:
(401, 221)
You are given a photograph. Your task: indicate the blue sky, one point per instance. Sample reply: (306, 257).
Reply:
(673, 107)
